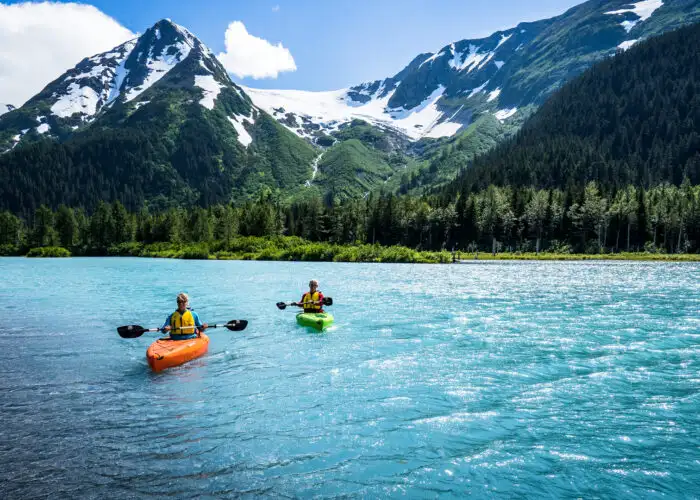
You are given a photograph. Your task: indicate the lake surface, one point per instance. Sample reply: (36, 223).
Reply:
(513, 380)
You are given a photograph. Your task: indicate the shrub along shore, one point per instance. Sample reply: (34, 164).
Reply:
(291, 248)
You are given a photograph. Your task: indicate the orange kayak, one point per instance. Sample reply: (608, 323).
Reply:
(166, 353)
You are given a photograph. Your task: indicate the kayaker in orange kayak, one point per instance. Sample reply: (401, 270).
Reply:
(311, 301)
(184, 323)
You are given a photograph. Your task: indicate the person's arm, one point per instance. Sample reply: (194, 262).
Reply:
(300, 303)
(166, 325)
(197, 322)
(320, 300)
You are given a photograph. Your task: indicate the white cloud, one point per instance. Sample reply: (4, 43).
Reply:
(276, 8)
(40, 41)
(248, 55)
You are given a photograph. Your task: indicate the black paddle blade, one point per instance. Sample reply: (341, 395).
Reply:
(281, 305)
(237, 325)
(131, 331)
(327, 301)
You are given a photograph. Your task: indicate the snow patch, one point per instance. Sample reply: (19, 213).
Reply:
(626, 44)
(503, 39)
(78, 99)
(643, 10)
(472, 59)
(15, 141)
(120, 73)
(210, 89)
(243, 135)
(494, 94)
(431, 59)
(504, 114)
(43, 128)
(204, 66)
(332, 108)
(108, 71)
(95, 72)
(488, 58)
(189, 37)
(628, 25)
(446, 128)
(160, 65)
(478, 89)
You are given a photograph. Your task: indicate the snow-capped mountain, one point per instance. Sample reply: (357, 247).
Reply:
(440, 93)
(156, 118)
(167, 56)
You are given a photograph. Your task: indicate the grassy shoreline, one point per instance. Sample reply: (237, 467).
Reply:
(297, 249)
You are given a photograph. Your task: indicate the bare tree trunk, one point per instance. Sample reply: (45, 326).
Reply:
(493, 245)
(680, 232)
(605, 236)
(617, 241)
(628, 235)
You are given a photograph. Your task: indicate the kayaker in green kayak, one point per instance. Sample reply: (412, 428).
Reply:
(311, 301)
(181, 324)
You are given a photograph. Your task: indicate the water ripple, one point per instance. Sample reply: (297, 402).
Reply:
(514, 380)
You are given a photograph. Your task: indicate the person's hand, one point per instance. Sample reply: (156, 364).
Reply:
(166, 328)
(205, 326)
(294, 304)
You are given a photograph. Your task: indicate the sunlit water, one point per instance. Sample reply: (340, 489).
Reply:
(517, 380)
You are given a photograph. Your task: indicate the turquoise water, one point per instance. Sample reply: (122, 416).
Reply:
(513, 380)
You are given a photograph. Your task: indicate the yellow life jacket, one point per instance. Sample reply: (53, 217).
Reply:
(178, 322)
(311, 298)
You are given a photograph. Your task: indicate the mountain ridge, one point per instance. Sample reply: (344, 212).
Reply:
(439, 94)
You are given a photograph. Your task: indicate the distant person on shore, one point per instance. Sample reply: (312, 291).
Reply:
(184, 323)
(311, 301)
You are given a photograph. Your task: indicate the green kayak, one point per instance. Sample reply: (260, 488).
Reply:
(315, 320)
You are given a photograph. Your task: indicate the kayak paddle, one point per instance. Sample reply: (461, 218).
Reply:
(327, 301)
(134, 331)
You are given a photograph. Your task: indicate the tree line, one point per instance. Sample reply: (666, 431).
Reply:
(665, 218)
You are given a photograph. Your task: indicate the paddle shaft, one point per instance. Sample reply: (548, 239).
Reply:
(191, 327)
(323, 302)
(134, 331)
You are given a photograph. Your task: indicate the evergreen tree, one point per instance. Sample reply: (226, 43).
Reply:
(66, 227)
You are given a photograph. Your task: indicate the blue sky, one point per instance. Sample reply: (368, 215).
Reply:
(337, 43)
